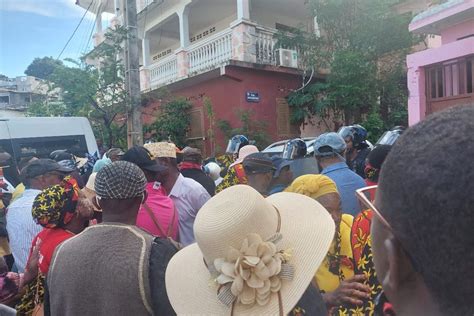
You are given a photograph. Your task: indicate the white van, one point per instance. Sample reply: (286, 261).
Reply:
(39, 136)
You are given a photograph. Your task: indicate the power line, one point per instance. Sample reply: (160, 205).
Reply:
(72, 35)
(85, 36)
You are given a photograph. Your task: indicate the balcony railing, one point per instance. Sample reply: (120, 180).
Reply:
(165, 71)
(210, 53)
(265, 46)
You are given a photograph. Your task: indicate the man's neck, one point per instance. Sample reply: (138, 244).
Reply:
(119, 218)
(329, 162)
(170, 181)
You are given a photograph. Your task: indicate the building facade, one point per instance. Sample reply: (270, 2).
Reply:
(223, 50)
(16, 94)
(442, 77)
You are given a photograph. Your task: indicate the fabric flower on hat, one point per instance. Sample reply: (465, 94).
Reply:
(55, 206)
(252, 273)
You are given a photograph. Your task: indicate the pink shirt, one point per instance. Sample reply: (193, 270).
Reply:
(163, 209)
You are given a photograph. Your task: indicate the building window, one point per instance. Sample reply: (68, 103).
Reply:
(5, 99)
(450, 79)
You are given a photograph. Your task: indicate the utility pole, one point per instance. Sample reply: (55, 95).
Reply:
(132, 74)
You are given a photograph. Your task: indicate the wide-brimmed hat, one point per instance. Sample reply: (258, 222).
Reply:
(244, 152)
(276, 244)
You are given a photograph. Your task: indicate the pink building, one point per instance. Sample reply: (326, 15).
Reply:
(442, 77)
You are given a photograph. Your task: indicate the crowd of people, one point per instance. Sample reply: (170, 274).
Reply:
(156, 230)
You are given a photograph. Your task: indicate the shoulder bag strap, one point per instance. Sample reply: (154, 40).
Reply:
(170, 226)
(154, 219)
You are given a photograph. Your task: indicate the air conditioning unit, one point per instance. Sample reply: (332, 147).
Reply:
(287, 58)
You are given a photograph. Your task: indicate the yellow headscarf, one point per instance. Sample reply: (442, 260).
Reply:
(312, 185)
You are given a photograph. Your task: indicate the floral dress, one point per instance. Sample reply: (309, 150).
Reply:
(362, 250)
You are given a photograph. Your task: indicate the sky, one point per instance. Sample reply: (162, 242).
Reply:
(38, 28)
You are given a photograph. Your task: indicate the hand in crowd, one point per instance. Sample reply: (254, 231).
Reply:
(31, 270)
(351, 291)
(85, 208)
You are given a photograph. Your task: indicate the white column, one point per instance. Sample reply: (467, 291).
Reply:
(146, 50)
(98, 21)
(184, 27)
(117, 7)
(243, 9)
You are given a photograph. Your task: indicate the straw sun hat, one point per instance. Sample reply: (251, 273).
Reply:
(253, 256)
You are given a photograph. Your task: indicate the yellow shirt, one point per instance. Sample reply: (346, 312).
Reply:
(18, 192)
(328, 281)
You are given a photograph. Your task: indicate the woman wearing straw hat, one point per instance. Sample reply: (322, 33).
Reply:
(253, 256)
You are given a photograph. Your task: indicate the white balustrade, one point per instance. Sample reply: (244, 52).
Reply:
(211, 52)
(164, 71)
(265, 46)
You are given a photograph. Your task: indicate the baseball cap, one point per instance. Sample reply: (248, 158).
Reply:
(142, 158)
(40, 167)
(120, 180)
(114, 152)
(329, 144)
(192, 154)
(258, 163)
(279, 163)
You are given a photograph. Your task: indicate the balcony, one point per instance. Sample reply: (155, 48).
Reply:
(180, 39)
(211, 53)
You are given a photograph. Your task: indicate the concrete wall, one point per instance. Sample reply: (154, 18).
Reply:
(227, 94)
(457, 31)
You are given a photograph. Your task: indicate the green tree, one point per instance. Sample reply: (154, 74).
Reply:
(363, 44)
(172, 122)
(43, 68)
(255, 130)
(3, 77)
(96, 91)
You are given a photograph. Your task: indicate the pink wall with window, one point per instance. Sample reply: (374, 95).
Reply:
(442, 77)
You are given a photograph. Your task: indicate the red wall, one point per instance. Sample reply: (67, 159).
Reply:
(227, 94)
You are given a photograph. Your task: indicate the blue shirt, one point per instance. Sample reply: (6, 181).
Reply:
(347, 183)
(277, 188)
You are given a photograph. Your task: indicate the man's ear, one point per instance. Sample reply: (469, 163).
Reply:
(400, 270)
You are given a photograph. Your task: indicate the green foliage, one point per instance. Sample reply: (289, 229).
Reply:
(43, 68)
(94, 91)
(172, 122)
(253, 129)
(374, 126)
(364, 44)
(3, 77)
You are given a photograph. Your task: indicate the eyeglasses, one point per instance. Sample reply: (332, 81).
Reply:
(362, 194)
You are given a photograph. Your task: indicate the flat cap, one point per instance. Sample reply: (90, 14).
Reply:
(119, 181)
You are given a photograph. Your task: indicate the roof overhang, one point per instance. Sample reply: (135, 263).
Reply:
(437, 18)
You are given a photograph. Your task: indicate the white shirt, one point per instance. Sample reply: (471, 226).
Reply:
(21, 227)
(188, 197)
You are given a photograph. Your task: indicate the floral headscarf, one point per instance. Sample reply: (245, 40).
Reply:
(55, 206)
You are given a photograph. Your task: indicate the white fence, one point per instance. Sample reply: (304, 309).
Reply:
(211, 52)
(165, 71)
(265, 46)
